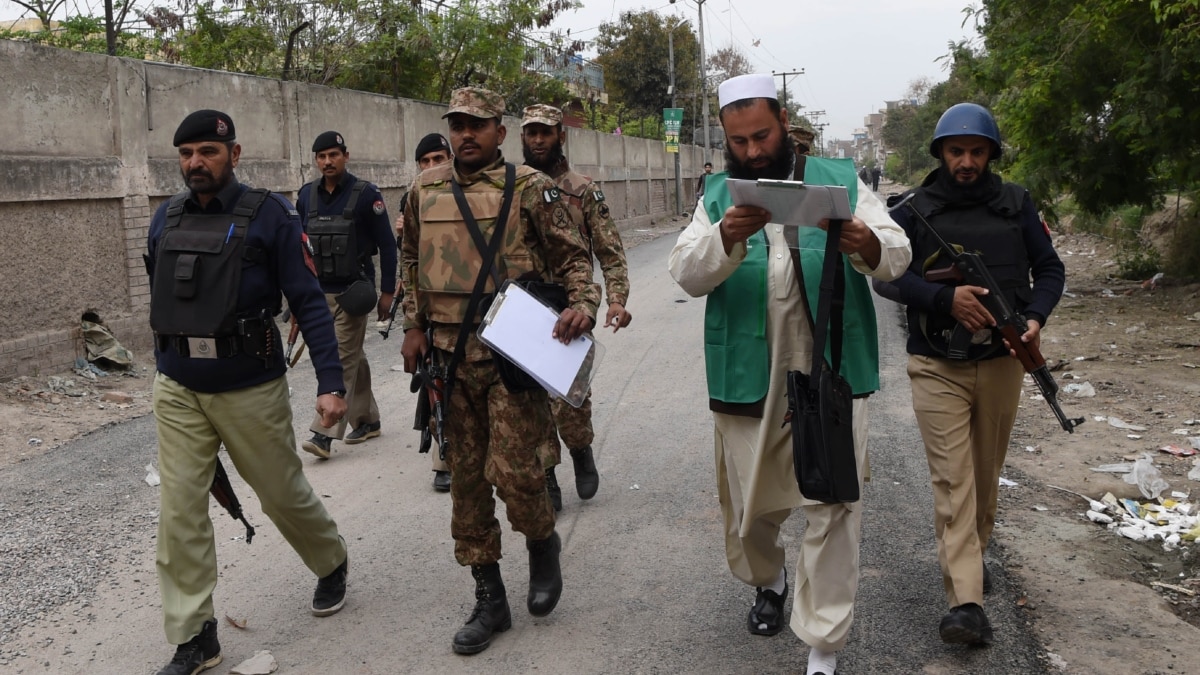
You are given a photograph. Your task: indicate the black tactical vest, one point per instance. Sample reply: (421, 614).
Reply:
(198, 269)
(334, 239)
(993, 230)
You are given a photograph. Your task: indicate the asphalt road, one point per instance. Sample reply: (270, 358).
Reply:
(647, 589)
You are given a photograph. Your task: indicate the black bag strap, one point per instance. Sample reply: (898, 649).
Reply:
(313, 195)
(830, 303)
(352, 202)
(488, 251)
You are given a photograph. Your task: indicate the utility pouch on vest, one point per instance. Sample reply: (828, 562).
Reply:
(334, 238)
(198, 270)
(821, 403)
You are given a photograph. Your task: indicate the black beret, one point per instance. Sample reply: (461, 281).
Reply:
(205, 125)
(327, 140)
(431, 143)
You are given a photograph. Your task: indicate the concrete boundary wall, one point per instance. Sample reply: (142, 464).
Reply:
(87, 144)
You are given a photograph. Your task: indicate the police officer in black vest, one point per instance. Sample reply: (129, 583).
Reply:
(219, 256)
(347, 223)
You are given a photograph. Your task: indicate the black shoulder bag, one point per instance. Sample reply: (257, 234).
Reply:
(821, 404)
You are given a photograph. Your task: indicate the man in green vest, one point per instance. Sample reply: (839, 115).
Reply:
(757, 328)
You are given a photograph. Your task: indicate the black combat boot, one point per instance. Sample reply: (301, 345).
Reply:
(545, 575)
(200, 653)
(553, 490)
(491, 613)
(587, 479)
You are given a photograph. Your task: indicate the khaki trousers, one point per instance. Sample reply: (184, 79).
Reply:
(965, 410)
(255, 425)
(825, 583)
(356, 372)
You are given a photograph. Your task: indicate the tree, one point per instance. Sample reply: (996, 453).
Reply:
(634, 54)
(43, 10)
(727, 62)
(1100, 98)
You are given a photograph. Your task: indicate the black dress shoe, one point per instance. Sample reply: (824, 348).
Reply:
(966, 625)
(441, 481)
(766, 616)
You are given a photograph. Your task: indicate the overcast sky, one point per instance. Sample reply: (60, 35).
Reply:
(855, 54)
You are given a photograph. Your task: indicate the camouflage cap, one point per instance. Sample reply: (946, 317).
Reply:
(799, 133)
(477, 102)
(542, 114)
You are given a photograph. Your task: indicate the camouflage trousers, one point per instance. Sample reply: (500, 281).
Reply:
(573, 424)
(494, 437)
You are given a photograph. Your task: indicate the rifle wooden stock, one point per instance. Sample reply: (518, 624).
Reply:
(945, 274)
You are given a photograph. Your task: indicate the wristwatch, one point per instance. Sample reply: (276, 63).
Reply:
(340, 393)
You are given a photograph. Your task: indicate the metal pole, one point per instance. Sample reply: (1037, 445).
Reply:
(679, 148)
(704, 83)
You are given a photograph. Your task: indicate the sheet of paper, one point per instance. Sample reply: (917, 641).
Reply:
(520, 327)
(792, 202)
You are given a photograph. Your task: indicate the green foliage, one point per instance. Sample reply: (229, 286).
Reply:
(635, 55)
(1101, 98)
(82, 34)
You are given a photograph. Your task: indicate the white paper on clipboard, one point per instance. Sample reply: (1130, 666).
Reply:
(792, 202)
(520, 326)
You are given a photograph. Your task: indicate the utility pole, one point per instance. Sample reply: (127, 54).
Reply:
(703, 80)
(783, 76)
(679, 150)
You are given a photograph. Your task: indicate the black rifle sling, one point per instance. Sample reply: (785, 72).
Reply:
(488, 251)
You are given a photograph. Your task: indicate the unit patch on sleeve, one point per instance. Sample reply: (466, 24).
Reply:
(378, 207)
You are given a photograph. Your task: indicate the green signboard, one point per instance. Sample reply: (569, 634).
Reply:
(672, 123)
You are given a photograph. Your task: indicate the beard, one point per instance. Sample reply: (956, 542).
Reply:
(779, 164)
(552, 158)
(203, 182)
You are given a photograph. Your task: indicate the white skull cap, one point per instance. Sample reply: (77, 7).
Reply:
(742, 87)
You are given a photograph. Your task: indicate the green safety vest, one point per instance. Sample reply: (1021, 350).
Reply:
(736, 354)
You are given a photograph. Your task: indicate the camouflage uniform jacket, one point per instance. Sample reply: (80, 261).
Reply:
(440, 261)
(586, 201)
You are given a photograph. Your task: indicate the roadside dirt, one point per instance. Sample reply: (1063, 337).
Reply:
(1088, 591)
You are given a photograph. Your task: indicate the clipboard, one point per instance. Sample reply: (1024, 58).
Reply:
(519, 326)
(792, 202)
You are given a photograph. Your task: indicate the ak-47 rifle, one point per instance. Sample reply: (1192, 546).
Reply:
(968, 267)
(398, 296)
(293, 333)
(429, 383)
(222, 490)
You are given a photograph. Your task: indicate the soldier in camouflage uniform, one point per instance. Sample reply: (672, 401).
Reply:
(542, 138)
(803, 139)
(492, 434)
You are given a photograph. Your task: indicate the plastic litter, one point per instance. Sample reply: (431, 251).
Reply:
(1080, 389)
(1178, 451)
(1004, 482)
(1123, 467)
(1146, 476)
(262, 663)
(1121, 424)
(152, 478)
(1097, 517)
(35, 442)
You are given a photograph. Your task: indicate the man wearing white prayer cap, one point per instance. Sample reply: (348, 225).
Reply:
(756, 275)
